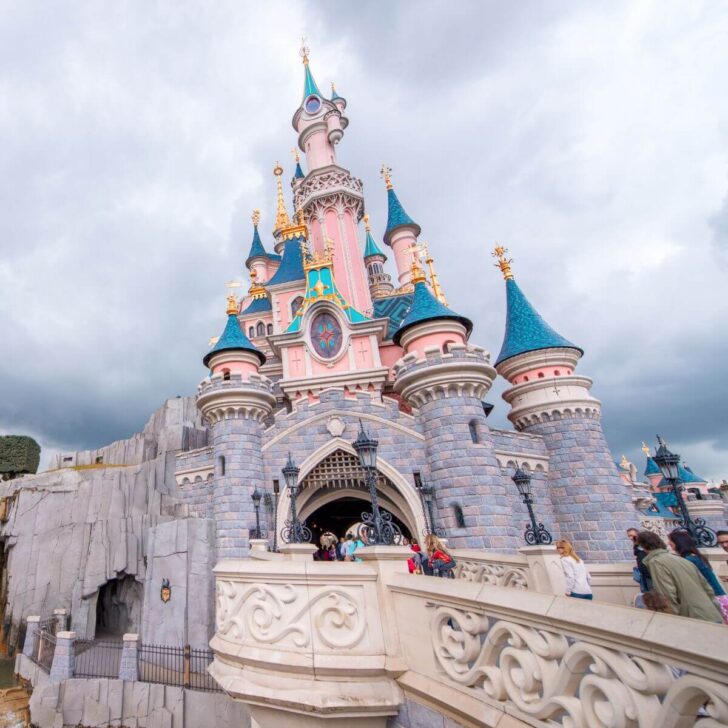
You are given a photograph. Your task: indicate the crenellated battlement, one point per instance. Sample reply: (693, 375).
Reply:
(235, 396)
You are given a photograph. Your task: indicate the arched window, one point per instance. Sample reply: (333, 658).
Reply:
(473, 427)
(457, 511)
(221, 465)
(226, 374)
(260, 329)
(269, 329)
(295, 305)
(251, 332)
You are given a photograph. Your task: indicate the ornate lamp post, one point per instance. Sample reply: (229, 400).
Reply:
(294, 531)
(378, 524)
(276, 495)
(256, 497)
(536, 533)
(427, 493)
(669, 464)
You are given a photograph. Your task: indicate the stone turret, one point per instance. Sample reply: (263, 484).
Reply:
(444, 380)
(591, 503)
(380, 283)
(233, 402)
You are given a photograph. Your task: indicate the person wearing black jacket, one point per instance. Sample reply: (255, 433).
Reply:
(645, 580)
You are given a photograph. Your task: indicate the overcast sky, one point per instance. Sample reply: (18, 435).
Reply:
(590, 138)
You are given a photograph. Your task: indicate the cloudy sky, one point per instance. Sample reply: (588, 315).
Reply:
(590, 138)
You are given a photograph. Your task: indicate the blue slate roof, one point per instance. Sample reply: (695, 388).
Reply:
(233, 338)
(257, 305)
(371, 248)
(686, 475)
(291, 267)
(425, 307)
(394, 308)
(663, 501)
(298, 174)
(651, 467)
(273, 256)
(256, 247)
(525, 329)
(309, 85)
(397, 216)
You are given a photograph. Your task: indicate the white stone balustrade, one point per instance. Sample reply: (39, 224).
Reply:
(306, 643)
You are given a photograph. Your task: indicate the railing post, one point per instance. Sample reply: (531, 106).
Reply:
(129, 665)
(32, 625)
(545, 574)
(61, 619)
(64, 657)
(186, 676)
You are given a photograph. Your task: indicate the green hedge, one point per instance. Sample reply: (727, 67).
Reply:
(19, 454)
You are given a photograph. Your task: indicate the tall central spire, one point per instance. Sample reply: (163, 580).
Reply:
(282, 219)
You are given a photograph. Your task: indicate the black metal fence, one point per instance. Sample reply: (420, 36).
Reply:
(182, 666)
(97, 658)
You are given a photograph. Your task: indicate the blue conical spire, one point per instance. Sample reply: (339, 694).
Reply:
(371, 248)
(396, 214)
(309, 84)
(233, 338)
(256, 247)
(298, 174)
(425, 307)
(525, 329)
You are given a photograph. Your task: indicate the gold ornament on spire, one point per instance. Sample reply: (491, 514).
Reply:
(304, 51)
(282, 219)
(232, 301)
(333, 88)
(315, 260)
(436, 288)
(417, 275)
(386, 173)
(256, 290)
(367, 226)
(503, 263)
(256, 217)
(296, 155)
(646, 449)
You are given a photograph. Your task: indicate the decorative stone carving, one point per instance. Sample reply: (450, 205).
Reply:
(335, 426)
(495, 574)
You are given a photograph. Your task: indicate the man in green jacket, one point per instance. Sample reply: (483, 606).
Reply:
(678, 580)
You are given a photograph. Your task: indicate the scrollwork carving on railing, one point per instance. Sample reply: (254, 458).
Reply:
(268, 615)
(495, 574)
(568, 682)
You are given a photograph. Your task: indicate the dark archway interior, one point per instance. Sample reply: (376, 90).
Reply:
(339, 515)
(119, 607)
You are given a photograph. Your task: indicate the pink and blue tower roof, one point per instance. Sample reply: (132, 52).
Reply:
(397, 216)
(233, 339)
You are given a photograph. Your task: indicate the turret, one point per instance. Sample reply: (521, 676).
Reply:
(257, 260)
(318, 121)
(591, 503)
(380, 283)
(233, 402)
(340, 103)
(444, 380)
(402, 231)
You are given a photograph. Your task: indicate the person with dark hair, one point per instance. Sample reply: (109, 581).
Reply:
(687, 592)
(656, 602)
(640, 572)
(722, 539)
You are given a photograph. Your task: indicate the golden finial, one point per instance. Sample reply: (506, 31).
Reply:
(646, 449)
(282, 219)
(256, 290)
(436, 288)
(367, 226)
(417, 275)
(333, 88)
(296, 155)
(232, 303)
(503, 263)
(256, 217)
(304, 51)
(386, 173)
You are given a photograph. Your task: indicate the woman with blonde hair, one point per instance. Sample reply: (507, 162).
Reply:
(577, 576)
(440, 561)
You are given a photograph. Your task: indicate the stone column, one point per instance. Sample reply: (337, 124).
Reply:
(544, 570)
(33, 624)
(64, 657)
(61, 618)
(129, 666)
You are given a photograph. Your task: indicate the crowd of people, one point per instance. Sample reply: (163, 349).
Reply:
(674, 578)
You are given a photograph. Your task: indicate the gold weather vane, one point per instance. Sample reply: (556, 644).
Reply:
(255, 217)
(416, 273)
(282, 219)
(503, 263)
(304, 51)
(646, 449)
(367, 226)
(232, 303)
(436, 288)
(386, 173)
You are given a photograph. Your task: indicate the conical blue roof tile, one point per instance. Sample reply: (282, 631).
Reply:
(233, 338)
(397, 216)
(371, 248)
(256, 247)
(291, 267)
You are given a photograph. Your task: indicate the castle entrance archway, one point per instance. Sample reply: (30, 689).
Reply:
(333, 493)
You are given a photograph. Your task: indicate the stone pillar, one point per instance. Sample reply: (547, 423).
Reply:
(32, 627)
(259, 544)
(544, 570)
(129, 667)
(447, 391)
(61, 618)
(64, 657)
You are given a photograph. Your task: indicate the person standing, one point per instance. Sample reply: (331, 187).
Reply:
(577, 576)
(641, 572)
(688, 593)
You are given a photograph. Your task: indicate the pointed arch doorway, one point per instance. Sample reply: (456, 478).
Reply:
(333, 493)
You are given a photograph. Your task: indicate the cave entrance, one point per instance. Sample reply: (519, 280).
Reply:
(119, 607)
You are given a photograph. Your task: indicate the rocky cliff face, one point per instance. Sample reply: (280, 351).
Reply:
(70, 531)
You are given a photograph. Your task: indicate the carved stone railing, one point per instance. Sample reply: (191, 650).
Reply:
(482, 567)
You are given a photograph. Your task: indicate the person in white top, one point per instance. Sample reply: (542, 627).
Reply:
(578, 578)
